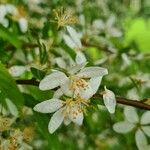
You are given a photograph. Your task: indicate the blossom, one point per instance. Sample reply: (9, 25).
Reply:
(64, 17)
(67, 111)
(109, 100)
(132, 121)
(107, 27)
(80, 80)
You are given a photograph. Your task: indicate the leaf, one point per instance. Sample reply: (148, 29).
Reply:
(9, 36)
(39, 74)
(9, 88)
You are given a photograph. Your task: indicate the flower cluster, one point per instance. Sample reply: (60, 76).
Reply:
(141, 126)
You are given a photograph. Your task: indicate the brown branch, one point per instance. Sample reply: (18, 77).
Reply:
(120, 100)
(28, 82)
(103, 48)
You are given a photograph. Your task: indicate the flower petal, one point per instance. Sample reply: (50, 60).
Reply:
(80, 57)
(56, 121)
(145, 119)
(65, 88)
(131, 114)
(61, 63)
(67, 121)
(76, 118)
(109, 100)
(123, 127)
(89, 72)
(16, 71)
(85, 94)
(140, 140)
(69, 41)
(12, 107)
(58, 93)
(74, 36)
(95, 83)
(53, 80)
(49, 106)
(146, 130)
(76, 68)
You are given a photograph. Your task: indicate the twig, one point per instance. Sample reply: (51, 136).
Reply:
(120, 100)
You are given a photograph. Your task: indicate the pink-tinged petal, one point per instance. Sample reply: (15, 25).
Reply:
(53, 80)
(49, 106)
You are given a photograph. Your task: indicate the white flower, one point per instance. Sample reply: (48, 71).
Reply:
(109, 100)
(107, 27)
(65, 111)
(131, 122)
(81, 81)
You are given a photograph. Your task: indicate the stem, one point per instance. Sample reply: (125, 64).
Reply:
(120, 100)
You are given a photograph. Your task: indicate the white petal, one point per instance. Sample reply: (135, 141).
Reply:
(67, 121)
(74, 36)
(23, 24)
(49, 106)
(76, 68)
(85, 93)
(53, 80)
(69, 41)
(131, 114)
(140, 139)
(123, 127)
(109, 100)
(56, 121)
(110, 21)
(65, 88)
(145, 119)
(16, 71)
(89, 72)
(76, 116)
(115, 32)
(80, 57)
(146, 130)
(58, 93)
(95, 83)
(61, 63)
(12, 107)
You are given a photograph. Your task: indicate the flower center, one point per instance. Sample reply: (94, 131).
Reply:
(78, 83)
(75, 106)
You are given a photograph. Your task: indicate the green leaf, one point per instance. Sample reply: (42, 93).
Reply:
(9, 88)
(9, 36)
(39, 74)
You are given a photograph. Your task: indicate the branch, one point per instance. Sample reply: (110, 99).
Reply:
(120, 100)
